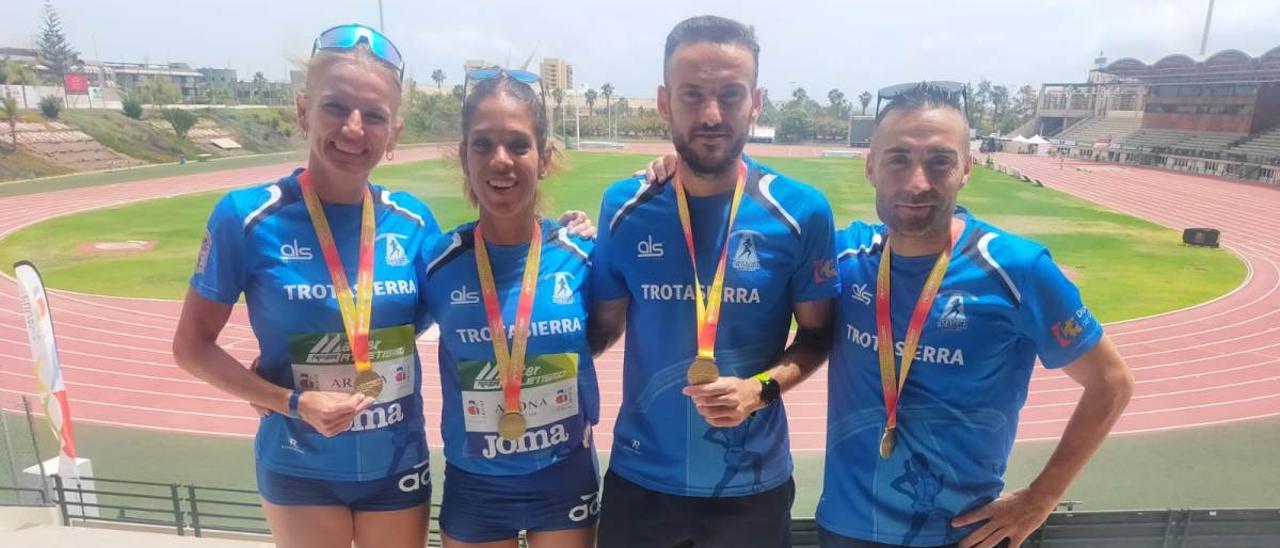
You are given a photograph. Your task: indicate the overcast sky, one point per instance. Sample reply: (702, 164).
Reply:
(816, 44)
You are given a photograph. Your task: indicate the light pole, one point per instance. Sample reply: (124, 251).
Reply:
(1208, 18)
(381, 26)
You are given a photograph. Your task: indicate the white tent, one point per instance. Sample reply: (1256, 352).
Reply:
(1039, 146)
(1018, 145)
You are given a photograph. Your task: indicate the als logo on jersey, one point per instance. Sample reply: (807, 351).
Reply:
(463, 296)
(293, 251)
(649, 249)
(746, 257)
(395, 255)
(563, 293)
(953, 318)
(860, 293)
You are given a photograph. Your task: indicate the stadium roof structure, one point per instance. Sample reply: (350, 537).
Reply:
(1229, 65)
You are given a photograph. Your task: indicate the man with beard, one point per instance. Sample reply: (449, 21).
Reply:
(938, 329)
(700, 453)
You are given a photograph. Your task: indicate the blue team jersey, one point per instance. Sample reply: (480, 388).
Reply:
(1002, 303)
(260, 242)
(781, 252)
(559, 395)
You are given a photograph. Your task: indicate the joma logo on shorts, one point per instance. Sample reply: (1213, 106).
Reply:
(533, 440)
(377, 417)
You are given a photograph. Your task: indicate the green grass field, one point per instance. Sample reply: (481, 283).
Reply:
(1125, 267)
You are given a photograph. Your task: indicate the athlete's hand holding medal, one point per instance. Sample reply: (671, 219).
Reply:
(727, 401)
(330, 413)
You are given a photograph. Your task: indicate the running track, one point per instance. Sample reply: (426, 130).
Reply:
(1215, 363)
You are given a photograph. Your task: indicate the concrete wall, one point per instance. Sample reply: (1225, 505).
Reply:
(13, 518)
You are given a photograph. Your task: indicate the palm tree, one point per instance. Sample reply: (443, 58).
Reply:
(591, 100)
(259, 82)
(11, 114)
(607, 91)
(865, 99)
(836, 98)
(558, 95)
(19, 74)
(438, 76)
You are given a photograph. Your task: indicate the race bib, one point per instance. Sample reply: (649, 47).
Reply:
(548, 400)
(322, 361)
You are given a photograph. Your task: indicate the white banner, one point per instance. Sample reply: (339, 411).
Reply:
(44, 350)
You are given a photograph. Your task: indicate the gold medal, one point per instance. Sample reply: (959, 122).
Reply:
(703, 371)
(511, 426)
(369, 383)
(888, 441)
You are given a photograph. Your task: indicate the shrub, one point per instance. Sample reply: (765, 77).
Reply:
(132, 107)
(51, 107)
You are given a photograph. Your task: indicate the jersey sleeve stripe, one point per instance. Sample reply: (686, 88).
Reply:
(761, 190)
(456, 248)
(561, 239)
(386, 199)
(271, 205)
(643, 194)
(877, 243)
(980, 254)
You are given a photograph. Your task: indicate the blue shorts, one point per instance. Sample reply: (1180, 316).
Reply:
(406, 489)
(481, 508)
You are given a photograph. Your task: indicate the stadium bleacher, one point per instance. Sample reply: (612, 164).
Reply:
(1265, 144)
(1101, 128)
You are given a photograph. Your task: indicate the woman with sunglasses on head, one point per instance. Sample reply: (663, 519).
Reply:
(325, 260)
(510, 293)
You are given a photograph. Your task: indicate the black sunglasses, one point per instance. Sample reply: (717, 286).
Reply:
(956, 90)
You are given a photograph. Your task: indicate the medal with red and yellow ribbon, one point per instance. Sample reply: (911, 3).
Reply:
(356, 310)
(892, 381)
(512, 424)
(704, 369)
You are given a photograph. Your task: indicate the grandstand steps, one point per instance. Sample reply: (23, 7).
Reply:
(65, 146)
(1101, 128)
(1032, 127)
(1266, 143)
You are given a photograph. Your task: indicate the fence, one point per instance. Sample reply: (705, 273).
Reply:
(19, 451)
(184, 509)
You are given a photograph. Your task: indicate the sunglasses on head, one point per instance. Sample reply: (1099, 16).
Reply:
(345, 37)
(523, 76)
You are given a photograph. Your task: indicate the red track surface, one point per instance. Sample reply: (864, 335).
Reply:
(1214, 363)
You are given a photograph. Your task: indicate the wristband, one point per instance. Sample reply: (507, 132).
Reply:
(769, 389)
(293, 404)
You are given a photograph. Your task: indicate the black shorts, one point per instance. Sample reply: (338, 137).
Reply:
(632, 516)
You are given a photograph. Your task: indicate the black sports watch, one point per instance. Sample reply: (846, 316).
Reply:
(770, 391)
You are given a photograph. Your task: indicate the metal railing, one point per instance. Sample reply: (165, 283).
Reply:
(201, 510)
(19, 491)
(183, 508)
